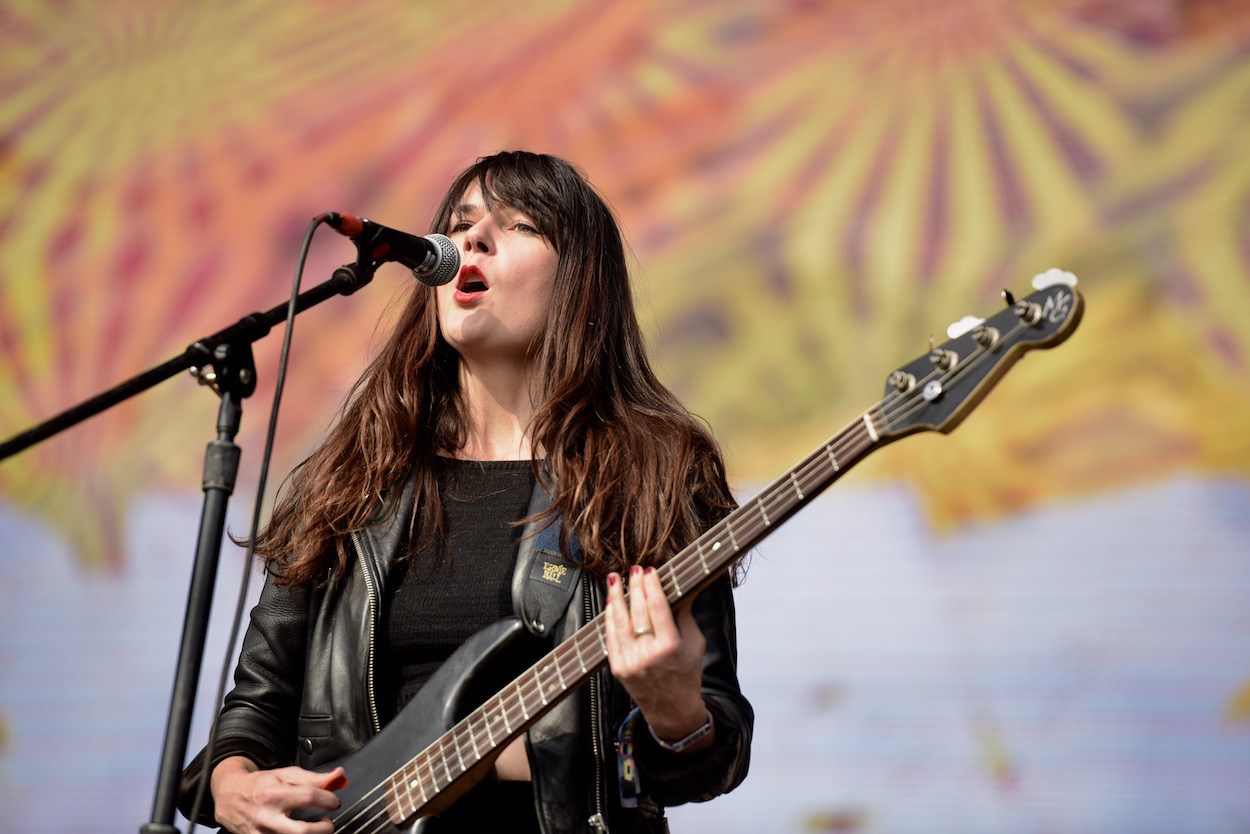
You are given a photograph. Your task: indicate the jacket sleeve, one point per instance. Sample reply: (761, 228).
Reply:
(259, 717)
(676, 778)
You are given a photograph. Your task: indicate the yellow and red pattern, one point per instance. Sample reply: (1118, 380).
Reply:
(810, 189)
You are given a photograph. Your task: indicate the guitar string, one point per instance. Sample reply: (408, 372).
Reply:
(848, 438)
(853, 436)
(544, 668)
(527, 687)
(775, 494)
(423, 766)
(424, 762)
(903, 406)
(538, 670)
(838, 445)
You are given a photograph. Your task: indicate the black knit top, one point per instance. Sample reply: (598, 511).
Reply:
(439, 597)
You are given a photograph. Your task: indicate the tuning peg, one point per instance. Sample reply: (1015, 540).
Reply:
(902, 381)
(1008, 298)
(984, 336)
(1028, 312)
(959, 328)
(1053, 276)
(943, 360)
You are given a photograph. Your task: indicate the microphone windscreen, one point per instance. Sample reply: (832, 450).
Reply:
(445, 266)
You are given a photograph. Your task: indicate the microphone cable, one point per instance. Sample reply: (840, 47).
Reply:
(250, 555)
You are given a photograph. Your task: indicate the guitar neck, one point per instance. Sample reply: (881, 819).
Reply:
(933, 392)
(502, 718)
(694, 568)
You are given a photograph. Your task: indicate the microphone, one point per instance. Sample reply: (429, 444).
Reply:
(434, 259)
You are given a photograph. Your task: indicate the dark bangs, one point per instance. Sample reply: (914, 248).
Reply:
(548, 190)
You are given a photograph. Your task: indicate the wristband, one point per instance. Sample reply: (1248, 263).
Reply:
(687, 742)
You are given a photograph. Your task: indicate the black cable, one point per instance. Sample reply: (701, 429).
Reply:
(250, 555)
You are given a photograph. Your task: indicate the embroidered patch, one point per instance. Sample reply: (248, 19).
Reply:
(551, 568)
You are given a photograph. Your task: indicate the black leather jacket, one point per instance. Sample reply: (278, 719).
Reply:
(304, 694)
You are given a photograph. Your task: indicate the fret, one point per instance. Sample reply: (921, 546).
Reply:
(603, 646)
(521, 697)
(490, 733)
(392, 797)
(477, 754)
(833, 460)
(763, 512)
(421, 784)
(425, 773)
(503, 710)
(577, 647)
(872, 430)
(676, 585)
(797, 489)
(412, 779)
(698, 547)
(442, 757)
(538, 680)
(560, 674)
(732, 538)
(392, 803)
(459, 753)
(428, 778)
(412, 803)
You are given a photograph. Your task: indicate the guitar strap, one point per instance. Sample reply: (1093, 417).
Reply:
(542, 586)
(544, 579)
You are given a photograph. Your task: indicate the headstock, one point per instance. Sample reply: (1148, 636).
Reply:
(936, 391)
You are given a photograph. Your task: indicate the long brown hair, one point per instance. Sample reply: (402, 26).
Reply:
(634, 473)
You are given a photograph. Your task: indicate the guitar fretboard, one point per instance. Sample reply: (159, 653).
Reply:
(933, 392)
(508, 713)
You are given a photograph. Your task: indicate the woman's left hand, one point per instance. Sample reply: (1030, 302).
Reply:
(657, 657)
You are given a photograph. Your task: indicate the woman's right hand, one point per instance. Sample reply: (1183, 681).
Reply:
(254, 801)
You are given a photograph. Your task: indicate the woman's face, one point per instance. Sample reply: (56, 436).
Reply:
(496, 309)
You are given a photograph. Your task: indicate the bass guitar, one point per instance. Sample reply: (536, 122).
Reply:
(436, 748)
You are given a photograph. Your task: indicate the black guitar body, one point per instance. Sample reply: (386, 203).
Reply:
(469, 676)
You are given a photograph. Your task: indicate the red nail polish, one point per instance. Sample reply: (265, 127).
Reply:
(612, 580)
(635, 570)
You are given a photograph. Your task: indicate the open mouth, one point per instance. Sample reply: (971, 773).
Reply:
(471, 280)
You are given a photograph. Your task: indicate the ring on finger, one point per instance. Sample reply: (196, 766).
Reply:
(641, 630)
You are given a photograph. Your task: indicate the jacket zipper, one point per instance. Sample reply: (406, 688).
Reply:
(373, 621)
(598, 820)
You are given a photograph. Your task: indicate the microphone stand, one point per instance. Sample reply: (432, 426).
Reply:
(233, 377)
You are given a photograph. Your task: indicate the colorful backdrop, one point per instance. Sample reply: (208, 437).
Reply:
(1038, 623)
